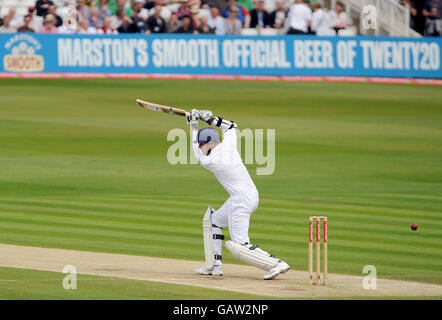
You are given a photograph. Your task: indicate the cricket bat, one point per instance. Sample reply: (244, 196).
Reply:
(161, 108)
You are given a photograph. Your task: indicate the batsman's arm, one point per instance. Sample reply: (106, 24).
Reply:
(207, 116)
(195, 146)
(192, 120)
(224, 124)
(229, 136)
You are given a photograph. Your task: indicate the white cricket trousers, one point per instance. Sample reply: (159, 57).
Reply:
(234, 213)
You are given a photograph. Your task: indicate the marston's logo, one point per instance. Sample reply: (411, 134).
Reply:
(23, 57)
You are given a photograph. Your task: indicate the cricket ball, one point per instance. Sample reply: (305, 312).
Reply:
(413, 226)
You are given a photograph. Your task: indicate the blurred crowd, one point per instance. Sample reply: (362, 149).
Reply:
(221, 17)
(425, 16)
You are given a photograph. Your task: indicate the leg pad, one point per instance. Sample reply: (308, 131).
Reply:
(252, 255)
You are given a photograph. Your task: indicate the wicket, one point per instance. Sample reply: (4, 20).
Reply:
(317, 278)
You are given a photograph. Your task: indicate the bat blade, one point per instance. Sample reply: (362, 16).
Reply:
(161, 108)
(154, 108)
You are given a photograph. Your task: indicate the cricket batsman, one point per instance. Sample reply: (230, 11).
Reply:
(224, 161)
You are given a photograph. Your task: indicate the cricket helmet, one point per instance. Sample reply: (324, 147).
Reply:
(207, 135)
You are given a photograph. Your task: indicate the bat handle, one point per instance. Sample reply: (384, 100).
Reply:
(188, 114)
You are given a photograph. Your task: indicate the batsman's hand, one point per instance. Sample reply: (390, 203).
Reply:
(192, 120)
(206, 116)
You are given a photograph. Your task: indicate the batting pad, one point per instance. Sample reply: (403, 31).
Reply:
(208, 238)
(255, 257)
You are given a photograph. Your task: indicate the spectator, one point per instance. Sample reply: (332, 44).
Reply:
(42, 7)
(86, 28)
(216, 21)
(150, 4)
(31, 11)
(68, 27)
(242, 13)
(26, 27)
(186, 25)
(106, 28)
(260, 18)
(83, 10)
(6, 28)
(204, 26)
(143, 13)
(127, 25)
(339, 17)
(58, 20)
(117, 19)
(309, 5)
(14, 21)
(195, 3)
(138, 21)
(299, 17)
(322, 23)
(279, 16)
(49, 25)
(270, 5)
(232, 23)
(122, 4)
(194, 11)
(413, 12)
(94, 18)
(165, 12)
(103, 12)
(173, 24)
(220, 4)
(156, 23)
(183, 10)
(433, 12)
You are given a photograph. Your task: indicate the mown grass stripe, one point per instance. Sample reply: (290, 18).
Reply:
(355, 211)
(181, 222)
(421, 244)
(121, 217)
(97, 233)
(276, 204)
(359, 244)
(184, 222)
(129, 227)
(103, 206)
(367, 205)
(359, 213)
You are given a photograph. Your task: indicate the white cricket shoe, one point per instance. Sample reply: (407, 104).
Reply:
(280, 268)
(216, 271)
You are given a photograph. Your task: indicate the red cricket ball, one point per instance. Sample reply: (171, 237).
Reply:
(414, 226)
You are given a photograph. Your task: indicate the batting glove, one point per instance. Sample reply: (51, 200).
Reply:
(192, 120)
(206, 116)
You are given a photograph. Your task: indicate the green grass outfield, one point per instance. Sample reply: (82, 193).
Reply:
(82, 167)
